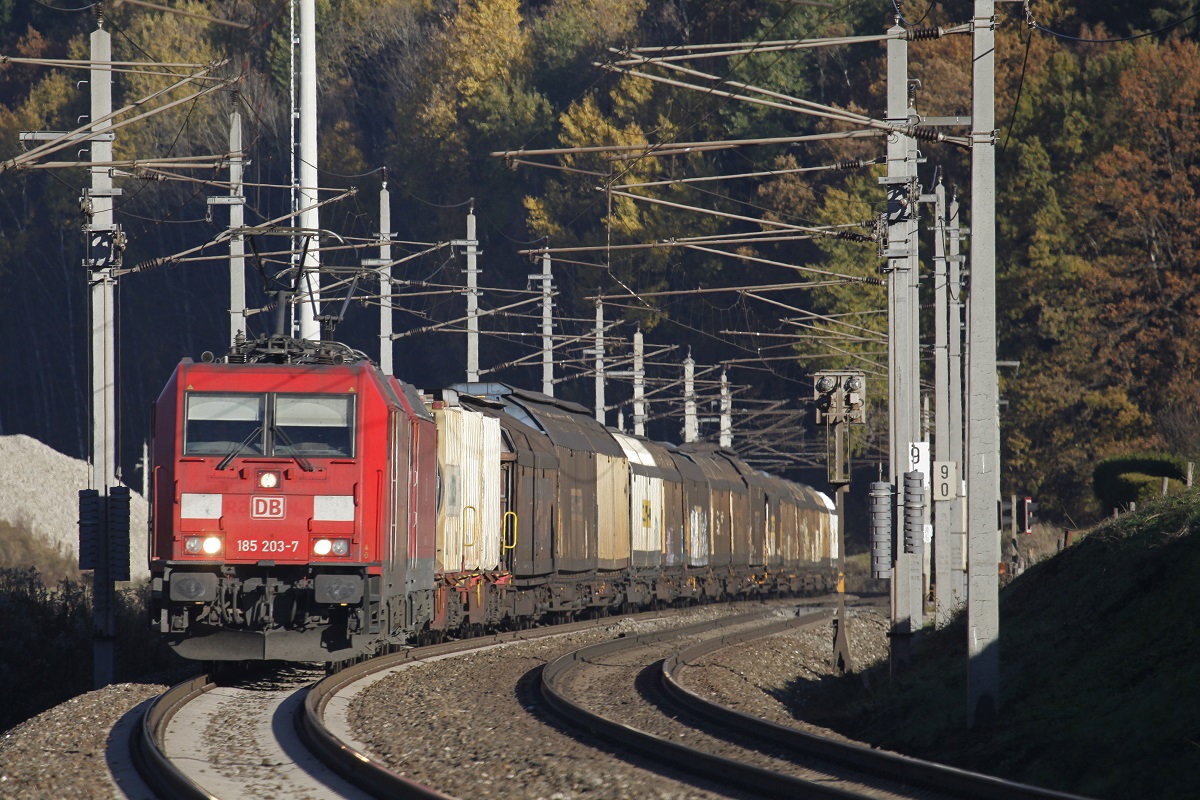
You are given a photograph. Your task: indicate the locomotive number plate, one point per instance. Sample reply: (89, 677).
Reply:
(268, 546)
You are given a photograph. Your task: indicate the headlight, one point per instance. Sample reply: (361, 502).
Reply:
(337, 547)
(268, 478)
(191, 545)
(212, 545)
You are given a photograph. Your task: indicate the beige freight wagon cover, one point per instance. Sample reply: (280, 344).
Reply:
(612, 501)
(646, 506)
(468, 526)
(816, 520)
(833, 528)
(771, 515)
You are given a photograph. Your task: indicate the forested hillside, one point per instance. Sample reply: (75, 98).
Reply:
(1097, 170)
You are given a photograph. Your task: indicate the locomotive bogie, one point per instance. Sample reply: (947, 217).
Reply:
(288, 613)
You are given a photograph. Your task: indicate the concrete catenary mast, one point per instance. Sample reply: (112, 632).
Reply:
(547, 326)
(903, 367)
(237, 243)
(983, 434)
(309, 296)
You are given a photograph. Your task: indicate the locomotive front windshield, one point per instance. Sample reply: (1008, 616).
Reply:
(313, 425)
(286, 426)
(217, 424)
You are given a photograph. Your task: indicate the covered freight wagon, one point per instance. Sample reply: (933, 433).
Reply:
(650, 474)
(591, 528)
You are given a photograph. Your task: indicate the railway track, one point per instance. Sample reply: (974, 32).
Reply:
(603, 688)
(294, 740)
(298, 751)
(236, 738)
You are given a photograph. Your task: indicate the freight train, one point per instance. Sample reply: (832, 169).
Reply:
(308, 507)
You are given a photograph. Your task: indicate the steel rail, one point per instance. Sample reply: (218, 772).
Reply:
(912, 771)
(728, 771)
(148, 737)
(360, 768)
(354, 765)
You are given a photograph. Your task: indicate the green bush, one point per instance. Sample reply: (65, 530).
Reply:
(1121, 480)
(1143, 488)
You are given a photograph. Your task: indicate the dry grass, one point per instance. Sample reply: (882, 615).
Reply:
(21, 549)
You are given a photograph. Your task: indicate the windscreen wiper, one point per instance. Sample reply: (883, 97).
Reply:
(238, 449)
(304, 463)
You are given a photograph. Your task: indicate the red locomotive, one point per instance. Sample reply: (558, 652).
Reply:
(307, 507)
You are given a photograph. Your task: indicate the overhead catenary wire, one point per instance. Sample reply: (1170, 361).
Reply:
(224, 236)
(1116, 40)
(792, 103)
(677, 49)
(666, 243)
(89, 131)
(817, 231)
(915, 131)
(184, 163)
(773, 173)
(115, 66)
(634, 152)
(537, 353)
(771, 262)
(183, 13)
(482, 313)
(728, 49)
(773, 287)
(681, 148)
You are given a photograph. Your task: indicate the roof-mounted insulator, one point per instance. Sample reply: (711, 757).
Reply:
(153, 263)
(917, 34)
(926, 134)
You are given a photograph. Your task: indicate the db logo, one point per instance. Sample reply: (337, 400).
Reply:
(266, 507)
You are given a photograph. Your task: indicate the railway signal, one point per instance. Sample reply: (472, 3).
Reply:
(839, 398)
(1006, 514)
(1027, 515)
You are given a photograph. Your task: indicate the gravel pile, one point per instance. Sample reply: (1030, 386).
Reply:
(39, 491)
